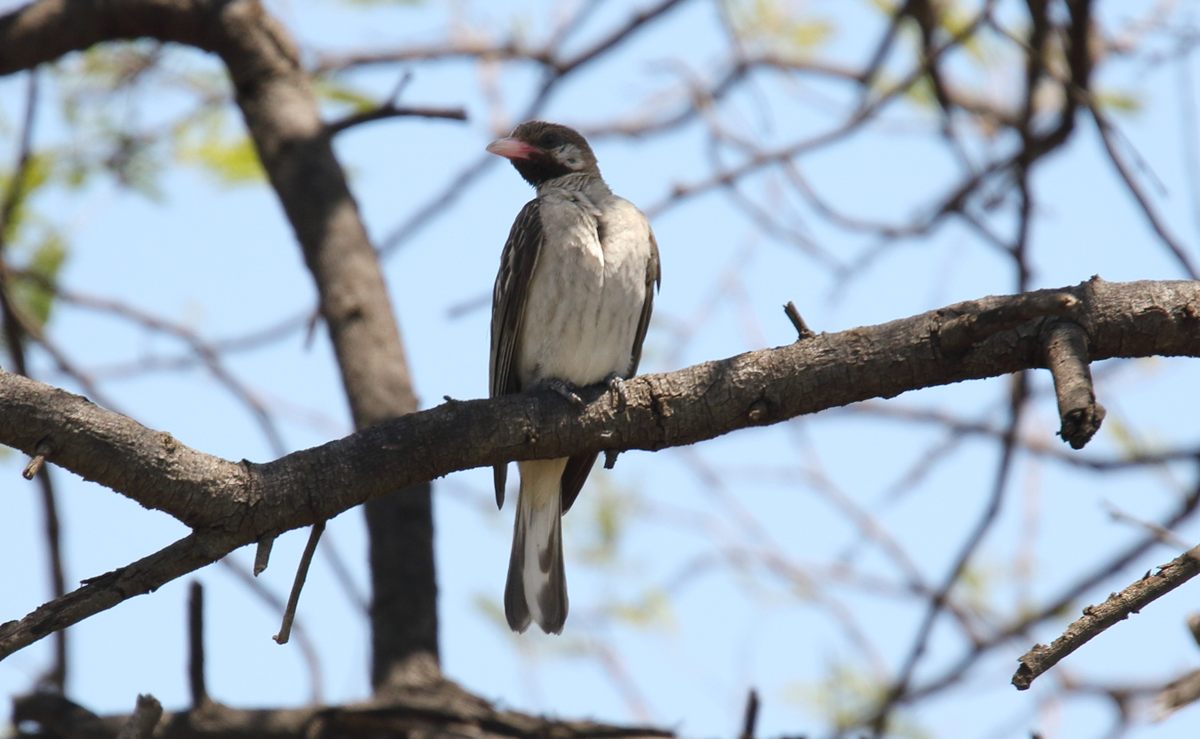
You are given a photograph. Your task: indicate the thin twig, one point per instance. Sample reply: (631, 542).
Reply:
(144, 718)
(105, 591)
(196, 682)
(951, 676)
(1147, 208)
(44, 450)
(289, 613)
(274, 602)
(750, 717)
(1096, 619)
(262, 554)
(392, 110)
(802, 330)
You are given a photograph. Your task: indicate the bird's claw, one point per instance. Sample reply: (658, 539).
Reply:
(567, 392)
(616, 385)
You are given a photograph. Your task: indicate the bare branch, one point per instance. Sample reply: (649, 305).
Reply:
(195, 630)
(101, 593)
(392, 110)
(1135, 190)
(289, 612)
(750, 717)
(793, 314)
(1096, 619)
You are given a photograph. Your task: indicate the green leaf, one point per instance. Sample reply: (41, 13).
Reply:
(36, 173)
(810, 34)
(336, 92)
(776, 25)
(654, 609)
(1120, 101)
(30, 294)
(234, 161)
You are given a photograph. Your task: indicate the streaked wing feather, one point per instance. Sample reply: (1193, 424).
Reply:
(517, 263)
(576, 473)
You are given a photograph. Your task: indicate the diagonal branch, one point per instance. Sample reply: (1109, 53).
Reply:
(101, 593)
(1096, 619)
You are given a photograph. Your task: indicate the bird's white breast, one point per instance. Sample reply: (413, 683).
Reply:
(587, 290)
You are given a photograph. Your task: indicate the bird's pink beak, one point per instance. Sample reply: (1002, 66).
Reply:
(511, 148)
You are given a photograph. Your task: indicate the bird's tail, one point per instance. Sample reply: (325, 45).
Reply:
(537, 585)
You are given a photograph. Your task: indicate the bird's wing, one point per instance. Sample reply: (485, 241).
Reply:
(574, 475)
(517, 263)
(653, 282)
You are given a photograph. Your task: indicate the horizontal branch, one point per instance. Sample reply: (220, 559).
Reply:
(392, 110)
(442, 709)
(234, 503)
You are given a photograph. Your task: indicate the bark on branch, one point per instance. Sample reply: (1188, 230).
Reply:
(230, 504)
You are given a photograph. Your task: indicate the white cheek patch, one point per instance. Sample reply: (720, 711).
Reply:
(569, 156)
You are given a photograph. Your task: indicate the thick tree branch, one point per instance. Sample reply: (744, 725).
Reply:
(233, 504)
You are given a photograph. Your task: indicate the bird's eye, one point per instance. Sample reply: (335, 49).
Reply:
(551, 141)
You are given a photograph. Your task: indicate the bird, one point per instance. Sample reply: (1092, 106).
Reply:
(570, 308)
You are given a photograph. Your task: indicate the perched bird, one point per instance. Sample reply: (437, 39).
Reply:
(570, 308)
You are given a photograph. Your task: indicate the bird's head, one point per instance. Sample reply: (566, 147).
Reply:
(541, 151)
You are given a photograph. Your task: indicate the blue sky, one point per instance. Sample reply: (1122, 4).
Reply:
(222, 261)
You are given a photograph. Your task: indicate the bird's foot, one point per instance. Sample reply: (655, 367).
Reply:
(616, 385)
(566, 390)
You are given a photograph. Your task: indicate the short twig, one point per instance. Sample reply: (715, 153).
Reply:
(391, 110)
(1098, 618)
(802, 330)
(1065, 347)
(610, 458)
(43, 450)
(289, 613)
(751, 715)
(401, 84)
(196, 645)
(262, 554)
(144, 718)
